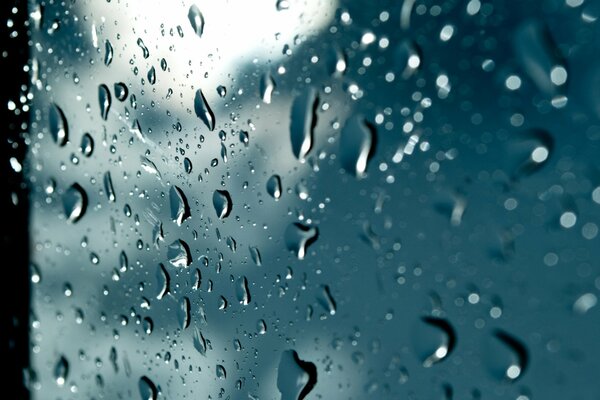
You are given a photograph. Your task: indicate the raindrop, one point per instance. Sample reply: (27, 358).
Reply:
(147, 389)
(196, 20)
(267, 86)
(274, 187)
(152, 75)
(183, 313)
(584, 303)
(179, 254)
(142, 46)
(203, 110)
(261, 327)
(326, 300)
(121, 91)
(75, 202)
(59, 128)
(87, 145)
(61, 371)
(506, 357)
(434, 340)
(357, 145)
(163, 281)
(295, 377)
(108, 187)
(187, 165)
(221, 373)
(147, 325)
(303, 121)
(255, 254)
(180, 210)
(149, 166)
(282, 5)
(298, 237)
(108, 53)
(222, 91)
(222, 203)
(105, 100)
(199, 341)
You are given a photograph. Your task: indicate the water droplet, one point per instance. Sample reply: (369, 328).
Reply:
(255, 254)
(357, 145)
(142, 46)
(121, 91)
(147, 325)
(183, 313)
(180, 210)
(151, 75)
(61, 371)
(108, 53)
(179, 254)
(326, 300)
(505, 356)
(261, 327)
(530, 152)
(75, 203)
(303, 121)
(222, 203)
(87, 145)
(242, 292)
(282, 5)
(274, 187)
(203, 110)
(187, 165)
(298, 237)
(147, 389)
(149, 166)
(434, 340)
(221, 373)
(267, 86)
(584, 303)
(163, 281)
(196, 20)
(105, 100)
(199, 341)
(407, 58)
(108, 187)
(221, 91)
(59, 128)
(295, 377)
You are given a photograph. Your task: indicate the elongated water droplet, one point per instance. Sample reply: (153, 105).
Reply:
(203, 110)
(434, 339)
(105, 100)
(163, 281)
(407, 58)
(222, 203)
(121, 91)
(152, 75)
(180, 210)
(242, 292)
(179, 254)
(75, 203)
(149, 166)
(87, 145)
(187, 165)
(530, 152)
(108, 187)
(61, 371)
(255, 254)
(505, 356)
(303, 121)
(147, 389)
(183, 313)
(295, 377)
(199, 341)
(196, 20)
(357, 144)
(221, 373)
(147, 325)
(274, 187)
(298, 237)
(267, 86)
(261, 327)
(142, 46)
(108, 52)
(59, 129)
(326, 300)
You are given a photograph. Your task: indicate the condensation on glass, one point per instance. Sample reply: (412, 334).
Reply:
(287, 199)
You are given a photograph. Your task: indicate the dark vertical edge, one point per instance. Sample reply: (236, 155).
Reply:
(14, 202)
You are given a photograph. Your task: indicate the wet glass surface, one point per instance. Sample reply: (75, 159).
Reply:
(319, 199)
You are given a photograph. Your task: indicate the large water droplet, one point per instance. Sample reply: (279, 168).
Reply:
(179, 254)
(274, 187)
(59, 128)
(152, 75)
(434, 339)
(145, 51)
(196, 20)
(222, 203)
(180, 210)
(199, 341)
(298, 237)
(303, 121)
(242, 292)
(267, 86)
(61, 371)
(121, 91)
(357, 145)
(505, 356)
(108, 187)
(295, 377)
(255, 254)
(147, 389)
(108, 53)
(75, 202)
(87, 145)
(183, 313)
(105, 100)
(221, 373)
(203, 110)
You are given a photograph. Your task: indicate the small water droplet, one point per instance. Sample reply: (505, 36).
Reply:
(87, 145)
(108, 52)
(147, 389)
(298, 237)
(151, 75)
(221, 91)
(267, 86)
(221, 373)
(196, 20)
(105, 100)
(108, 187)
(303, 121)
(203, 110)
(180, 210)
(163, 281)
(357, 145)
(61, 371)
(222, 203)
(255, 254)
(434, 340)
(274, 187)
(179, 254)
(183, 313)
(147, 325)
(199, 341)
(505, 356)
(295, 377)
(142, 46)
(187, 165)
(75, 203)
(326, 300)
(121, 91)
(59, 128)
(261, 327)
(282, 5)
